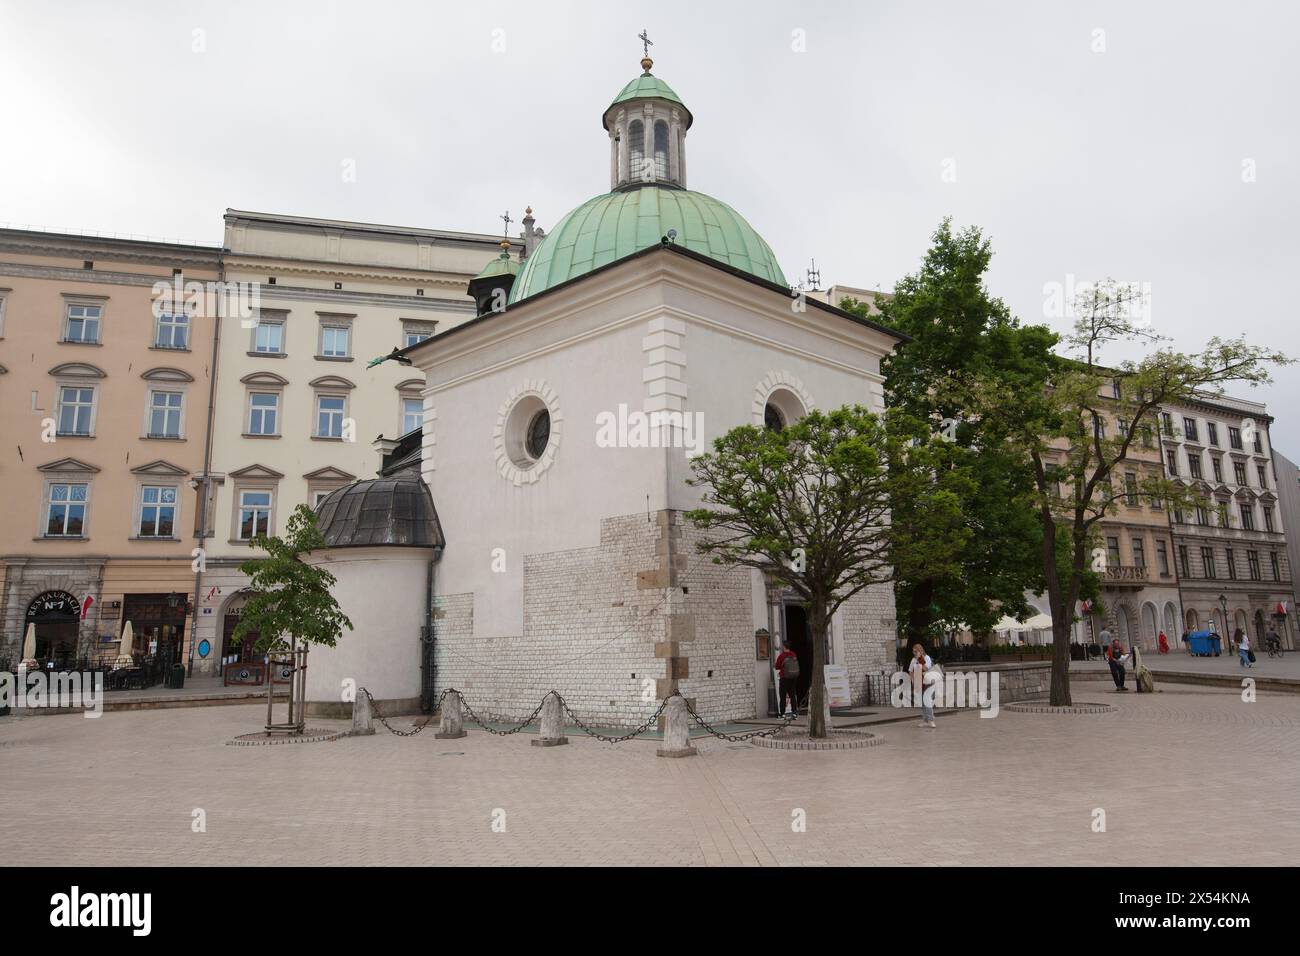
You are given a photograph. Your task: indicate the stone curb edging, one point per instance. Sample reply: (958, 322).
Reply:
(1085, 708)
(268, 740)
(838, 740)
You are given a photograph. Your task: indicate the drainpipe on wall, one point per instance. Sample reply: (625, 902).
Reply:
(207, 459)
(429, 679)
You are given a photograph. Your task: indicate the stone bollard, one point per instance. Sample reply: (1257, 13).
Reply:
(677, 731)
(452, 724)
(552, 734)
(362, 724)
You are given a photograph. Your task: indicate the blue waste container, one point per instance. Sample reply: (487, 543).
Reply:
(1204, 643)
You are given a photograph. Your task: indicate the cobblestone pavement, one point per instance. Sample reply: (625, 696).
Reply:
(1188, 776)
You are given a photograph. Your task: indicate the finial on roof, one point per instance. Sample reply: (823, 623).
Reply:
(646, 44)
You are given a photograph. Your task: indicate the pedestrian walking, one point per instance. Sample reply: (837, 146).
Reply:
(787, 669)
(1243, 650)
(920, 664)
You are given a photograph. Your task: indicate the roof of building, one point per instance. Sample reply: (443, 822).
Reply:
(500, 266)
(380, 511)
(618, 224)
(649, 86)
(661, 249)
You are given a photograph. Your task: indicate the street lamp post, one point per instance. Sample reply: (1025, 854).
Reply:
(1227, 637)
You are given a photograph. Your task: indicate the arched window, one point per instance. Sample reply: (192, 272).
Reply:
(636, 150)
(773, 420)
(661, 150)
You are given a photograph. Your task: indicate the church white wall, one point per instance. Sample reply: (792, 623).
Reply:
(382, 591)
(556, 578)
(493, 525)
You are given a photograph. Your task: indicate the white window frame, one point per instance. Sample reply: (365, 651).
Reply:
(59, 405)
(326, 331)
(240, 507)
(316, 414)
(75, 302)
(402, 400)
(141, 504)
(415, 331)
(151, 408)
(169, 320)
(48, 503)
(268, 323)
(248, 413)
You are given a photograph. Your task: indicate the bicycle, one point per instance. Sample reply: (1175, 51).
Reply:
(1274, 646)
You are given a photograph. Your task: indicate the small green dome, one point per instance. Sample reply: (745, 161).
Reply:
(500, 266)
(616, 225)
(645, 86)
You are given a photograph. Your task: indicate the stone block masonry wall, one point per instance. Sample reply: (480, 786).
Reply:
(717, 608)
(641, 606)
(869, 636)
(600, 622)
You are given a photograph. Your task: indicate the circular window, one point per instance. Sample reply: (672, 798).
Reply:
(528, 432)
(773, 420)
(539, 434)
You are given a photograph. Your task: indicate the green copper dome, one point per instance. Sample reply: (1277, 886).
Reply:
(645, 86)
(616, 225)
(500, 266)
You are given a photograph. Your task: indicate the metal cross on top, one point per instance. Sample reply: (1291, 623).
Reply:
(507, 220)
(646, 42)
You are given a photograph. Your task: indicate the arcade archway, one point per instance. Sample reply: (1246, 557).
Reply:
(57, 616)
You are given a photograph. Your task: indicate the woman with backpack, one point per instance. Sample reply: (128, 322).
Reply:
(787, 669)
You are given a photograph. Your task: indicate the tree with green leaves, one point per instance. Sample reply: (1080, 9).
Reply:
(809, 505)
(291, 600)
(959, 334)
(1074, 421)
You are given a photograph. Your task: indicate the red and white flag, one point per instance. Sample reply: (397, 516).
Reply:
(85, 605)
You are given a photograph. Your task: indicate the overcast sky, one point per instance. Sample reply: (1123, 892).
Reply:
(1153, 142)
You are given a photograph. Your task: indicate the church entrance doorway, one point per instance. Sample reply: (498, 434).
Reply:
(798, 637)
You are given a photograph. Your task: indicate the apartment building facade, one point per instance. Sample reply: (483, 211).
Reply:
(106, 380)
(1231, 551)
(1139, 586)
(298, 405)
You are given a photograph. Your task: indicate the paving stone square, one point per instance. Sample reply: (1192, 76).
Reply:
(1189, 776)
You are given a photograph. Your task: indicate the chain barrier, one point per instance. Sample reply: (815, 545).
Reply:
(737, 738)
(607, 738)
(615, 740)
(500, 733)
(374, 709)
